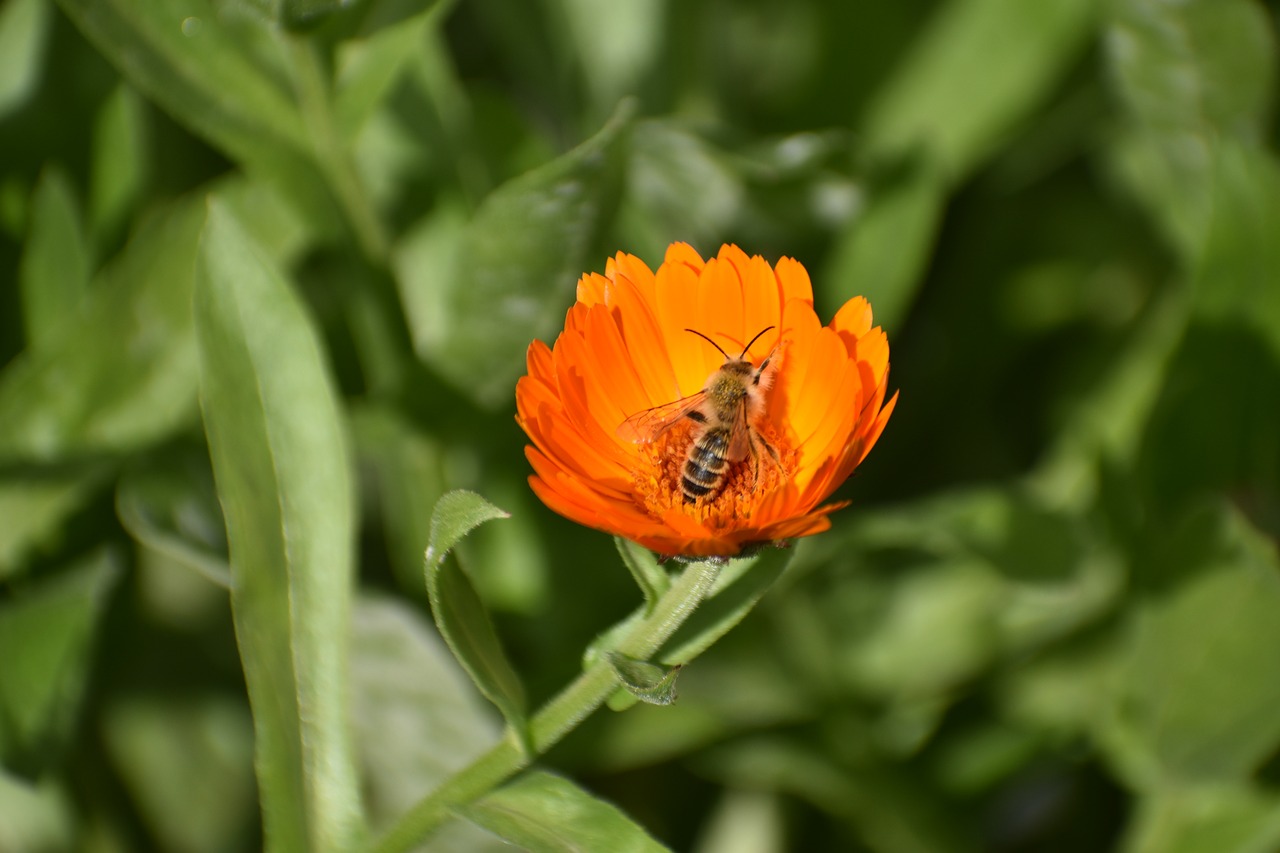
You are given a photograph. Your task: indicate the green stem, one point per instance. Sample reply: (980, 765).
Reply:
(556, 719)
(316, 102)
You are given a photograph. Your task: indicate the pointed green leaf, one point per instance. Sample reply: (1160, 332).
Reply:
(648, 682)
(736, 591)
(368, 68)
(282, 470)
(883, 252)
(460, 615)
(121, 373)
(47, 634)
(54, 274)
(977, 69)
(455, 515)
(121, 160)
(543, 813)
(509, 276)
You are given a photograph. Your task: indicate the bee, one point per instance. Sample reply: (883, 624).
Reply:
(724, 414)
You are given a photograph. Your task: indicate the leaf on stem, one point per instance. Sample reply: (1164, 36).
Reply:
(461, 616)
(544, 813)
(649, 682)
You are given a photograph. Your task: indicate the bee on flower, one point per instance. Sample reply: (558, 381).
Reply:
(645, 424)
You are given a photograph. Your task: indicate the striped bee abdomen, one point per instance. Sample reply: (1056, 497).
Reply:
(704, 470)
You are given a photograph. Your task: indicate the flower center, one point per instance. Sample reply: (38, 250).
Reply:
(734, 492)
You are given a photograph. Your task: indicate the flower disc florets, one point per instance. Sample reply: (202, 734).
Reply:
(814, 408)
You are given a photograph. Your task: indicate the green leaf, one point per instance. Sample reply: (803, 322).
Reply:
(543, 813)
(1235, 280)
(1206, 819)
(616, 44)
(54, 274)
(510, 274)
(973, 75)
(739, 586)
(455, 515)
(266, 214)
(888, 807)
(282, 469)
(1190, 74)
(121, 160)
(224, 77)
(938, 627)
(648, 682)
(1198, 697)
(1109, 421)
(24, 31)
(35, 817)
(679, 187)
(367, 69)
(201, 67)
(883, 252)
(652, 578)
(745, 822)
(170, 507)
(121, 373)
(187, 762)
(47, 631)
(303, 14)
(460, 615)
(363, 19)
(34, 505)
(417, 719)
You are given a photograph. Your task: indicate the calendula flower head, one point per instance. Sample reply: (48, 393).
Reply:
(629, 436)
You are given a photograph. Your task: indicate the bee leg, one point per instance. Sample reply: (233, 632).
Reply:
(755, 457)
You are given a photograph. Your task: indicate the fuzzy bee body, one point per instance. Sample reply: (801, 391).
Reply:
(724, 414)
(706, 465)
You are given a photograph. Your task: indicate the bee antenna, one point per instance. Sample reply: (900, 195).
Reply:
(708, 340)
(753, 340)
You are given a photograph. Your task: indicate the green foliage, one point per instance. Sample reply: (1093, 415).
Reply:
(272, 269)
(543, 813)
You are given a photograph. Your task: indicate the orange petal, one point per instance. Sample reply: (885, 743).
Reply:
(683, 253)
(793, 279)
(852, 321)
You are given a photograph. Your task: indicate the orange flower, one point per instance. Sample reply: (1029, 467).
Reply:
(627, 348)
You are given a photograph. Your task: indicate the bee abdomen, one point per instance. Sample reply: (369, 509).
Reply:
(704, 469)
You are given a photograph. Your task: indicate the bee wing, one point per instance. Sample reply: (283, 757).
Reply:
(645, 426)
(739, 435)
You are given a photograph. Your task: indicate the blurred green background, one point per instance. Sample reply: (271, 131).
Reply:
(1049, 622)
